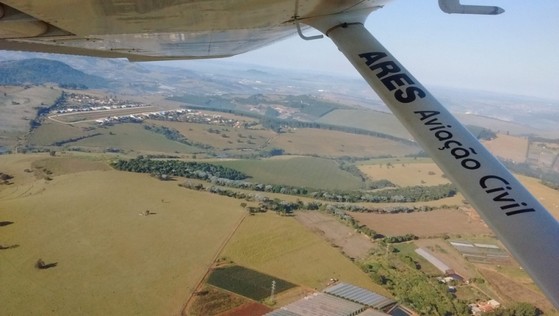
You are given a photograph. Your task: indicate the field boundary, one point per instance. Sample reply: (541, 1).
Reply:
(202, 281)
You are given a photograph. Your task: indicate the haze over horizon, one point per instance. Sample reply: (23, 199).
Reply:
(513, 53)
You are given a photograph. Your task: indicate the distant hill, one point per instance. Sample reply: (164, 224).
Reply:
(40, 71)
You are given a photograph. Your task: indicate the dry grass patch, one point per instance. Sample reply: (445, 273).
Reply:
(228, 136)
(513, 148)
(282, 247)
(544, 194)
(309, 141)
(111, 259)
(406, 174)
(436, 222)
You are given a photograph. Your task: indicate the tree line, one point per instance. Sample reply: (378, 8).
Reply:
(187, 169)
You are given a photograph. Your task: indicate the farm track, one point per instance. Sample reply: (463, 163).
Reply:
(198, 286)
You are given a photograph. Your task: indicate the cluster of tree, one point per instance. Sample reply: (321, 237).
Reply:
(309, 104)
(548, 177)
(350, 221)
(384, 210)
(481, 132)
(380, 184)
(73, 139)
(397, 195)
(402, 276)
(260, 187)
(279, 125)
(399, 239)
(41, 71)
(518, 309)
(272, 152)
(175, 135)
(195, 170)
(43, 111)
(209, 102)
(73, 86)
(5, 178)
(352, 169)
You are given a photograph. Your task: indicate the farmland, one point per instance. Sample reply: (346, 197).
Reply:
(109, 257)
(282, 247)
(297, 171)
(126, 243)
(434, 223)
(405, 173)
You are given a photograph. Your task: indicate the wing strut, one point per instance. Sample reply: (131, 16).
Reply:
(524, 226)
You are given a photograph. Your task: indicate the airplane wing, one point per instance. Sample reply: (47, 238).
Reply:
(148, 30)
(188, 29)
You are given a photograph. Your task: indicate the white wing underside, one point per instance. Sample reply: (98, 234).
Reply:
(143, 30)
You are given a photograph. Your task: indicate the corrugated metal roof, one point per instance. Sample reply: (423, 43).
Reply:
(433, 260)
(359, 295)
(319, 304)
(372, 312)
(281, 312)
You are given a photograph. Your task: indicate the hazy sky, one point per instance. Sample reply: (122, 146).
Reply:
(515, 52)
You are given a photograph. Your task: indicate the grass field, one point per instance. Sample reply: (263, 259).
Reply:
(513, 148)
(405, 173)
(546, 195)
(128, 137)
(376, 121)
(297, 171)
(18, 106)
(423, 224)
(228, 137)
(110, 259)
(282, 247)
(134, 137)
(309, 141)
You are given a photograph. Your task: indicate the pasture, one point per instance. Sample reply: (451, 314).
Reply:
(311, 141)
(111, 260)
(133, 137)
(424, 224)
(404, 173)
(221, 137)
(308, 172)
(281, 247)
(509, 147)
(18, 105)
(544, 194)
(376, 121)
(128, 137)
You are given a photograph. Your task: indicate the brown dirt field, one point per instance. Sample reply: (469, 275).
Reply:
(436, 222)
(252, 309)
(352, 243)
(406, 174)
(509, 147)
(216, 301)
(513, 291)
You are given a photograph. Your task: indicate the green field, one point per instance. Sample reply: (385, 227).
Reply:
(284, 248)
(128, 137)
(247, 282)
(308, 172)
(111, 260)
(375, 121)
